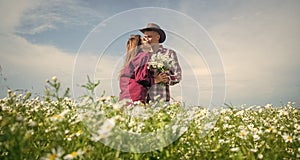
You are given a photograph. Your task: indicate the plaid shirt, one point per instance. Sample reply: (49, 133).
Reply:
(163, 91)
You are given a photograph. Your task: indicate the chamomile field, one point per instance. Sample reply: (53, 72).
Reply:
(54, 126)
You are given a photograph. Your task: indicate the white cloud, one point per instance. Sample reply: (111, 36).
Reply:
(27, 65)
(47, 15)
(10, 13)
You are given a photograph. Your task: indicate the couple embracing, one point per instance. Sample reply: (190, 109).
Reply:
(149, 68)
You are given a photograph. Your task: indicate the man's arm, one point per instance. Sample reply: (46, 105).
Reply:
(175, 71)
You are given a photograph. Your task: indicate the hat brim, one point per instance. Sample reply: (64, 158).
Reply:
(159, 31)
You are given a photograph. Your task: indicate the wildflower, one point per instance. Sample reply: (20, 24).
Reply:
(283, 112)
(74, 154)
(174, 128)
(78, 133)
(67, 131)
(226, 118)
(55, 155)
(161, 62)
(104, 130)
(297, 126)
(120, 118)
(271, 129)
(118, 106)
(268, 106)
(256, 137)
(209, 126)
(253, 150)
(243, 134)
(260, 156)
(139, 127)
(241, 127)
(287, 138)
(221, 141)
(258, 107)
(225, 126)
(182, 130)
(259, 131)
(138, 111)
(108, 125)
(19, 117)
(251, 127)
(54, 78)
(56, 117)
(60, 116)
(69, 137)
(31, 123)
(216, 129)
(131, 123)
(239, 113)
(235, 149)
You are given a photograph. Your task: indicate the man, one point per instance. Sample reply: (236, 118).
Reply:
(154, 35)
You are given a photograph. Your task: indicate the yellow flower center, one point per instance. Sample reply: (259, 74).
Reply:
(52, 157)
(74, 154)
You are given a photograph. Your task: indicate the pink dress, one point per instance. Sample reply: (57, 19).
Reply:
(136, 78)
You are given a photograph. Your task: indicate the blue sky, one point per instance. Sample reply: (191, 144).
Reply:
(256, 41)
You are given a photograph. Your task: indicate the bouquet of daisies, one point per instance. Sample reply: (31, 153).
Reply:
(161, 63)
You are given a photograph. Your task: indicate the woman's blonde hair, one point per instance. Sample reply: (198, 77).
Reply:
(132, 48)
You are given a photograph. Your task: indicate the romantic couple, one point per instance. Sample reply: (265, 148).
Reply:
(149, 68)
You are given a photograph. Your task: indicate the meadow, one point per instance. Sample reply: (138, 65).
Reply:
(54, 126)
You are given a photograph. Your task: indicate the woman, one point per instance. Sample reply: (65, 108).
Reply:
(135, 77)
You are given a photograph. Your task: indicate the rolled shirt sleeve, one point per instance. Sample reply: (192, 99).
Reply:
(175, 71)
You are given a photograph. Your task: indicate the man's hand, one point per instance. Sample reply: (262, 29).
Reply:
(161, 77)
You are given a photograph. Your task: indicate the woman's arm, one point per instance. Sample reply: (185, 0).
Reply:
(141, 72)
